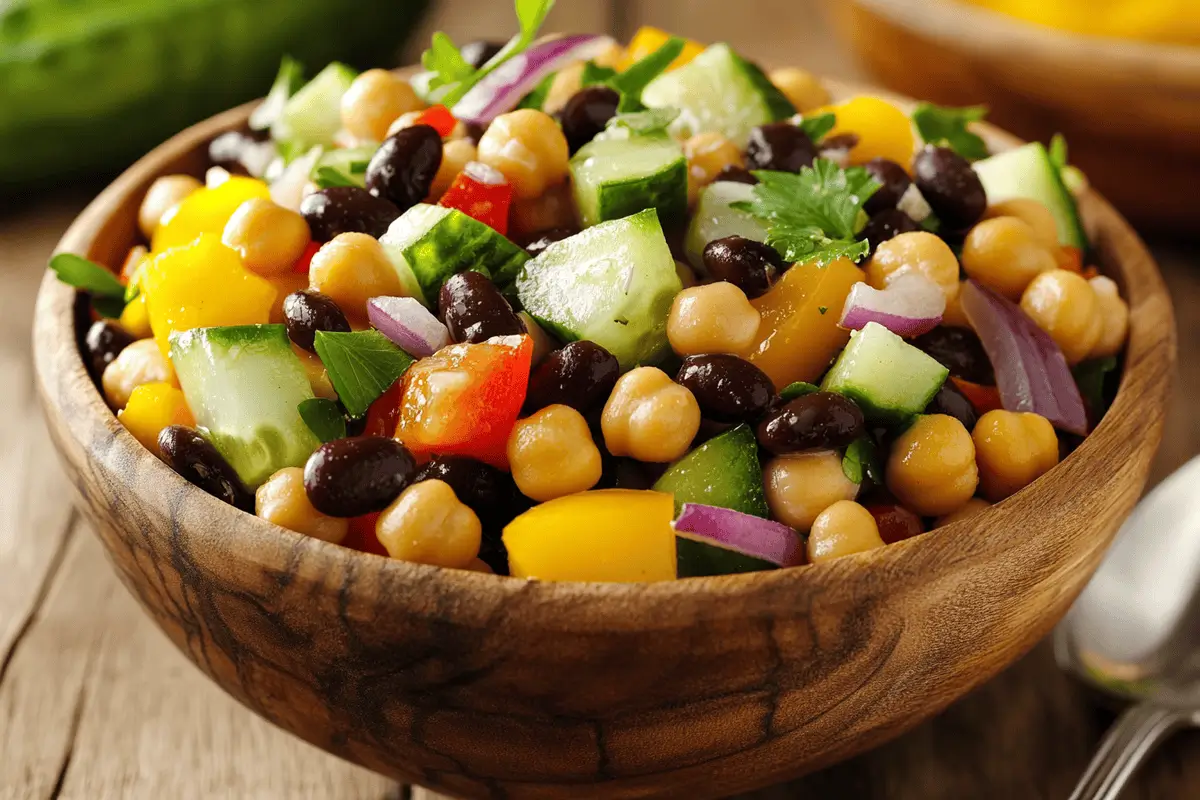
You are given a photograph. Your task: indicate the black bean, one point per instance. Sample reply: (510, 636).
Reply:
(403, 168)
(488, 491)
(195, 458)
(104, 342)
(822, 420)
(355, 476)
(474, 310)
(950, 186)
(347, 209)
(779, 146)
(887, 224)
(586, 114)
(950, 401)
(736, 174)
(839, 141)
(727, 388)
(475, 131)
(547, 238)
(749, 265)
(580, 375)
(893, 180)
(305, 312)
(479, 52)
(960, 351)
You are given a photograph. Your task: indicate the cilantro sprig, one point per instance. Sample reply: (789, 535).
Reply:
(630, 83)
(814, 215)
(361, 364)
(861, 460)
(108, 293)
(818, 127)
(644, 123)
(323, 418)
(328, 177)
(945, 126)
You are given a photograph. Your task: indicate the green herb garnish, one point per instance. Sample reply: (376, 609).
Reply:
(362, 365)
(813, 215)
(359, 167)
(818, 127)
(323, 418)
(822, 309)
(537, 98)
(1092, 377)
(797, 389)
(594, 74)
(645, 123)
(944, 126)
(1058, 151)
(108, 293)
(862, 461)
(632, 81)
(327, 177)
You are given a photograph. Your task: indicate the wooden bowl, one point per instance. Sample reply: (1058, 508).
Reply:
(495, 687)
(1130, 110)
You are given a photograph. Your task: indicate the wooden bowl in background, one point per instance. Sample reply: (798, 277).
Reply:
(1130, 110)
(495, 687)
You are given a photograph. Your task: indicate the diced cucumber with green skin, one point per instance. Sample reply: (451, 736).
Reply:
(287, 81)
(428, 244)
(1027, 171)
(615, 177)
(714, 219)
(244, 385)
(612, 284)
(718, 91)
(887, 377)
(314, 113)
(345, 159)
(725, 472)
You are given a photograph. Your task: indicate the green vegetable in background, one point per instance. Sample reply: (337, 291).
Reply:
(90, 85)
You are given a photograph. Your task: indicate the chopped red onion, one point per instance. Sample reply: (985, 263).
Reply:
(1031, 372)
(742, 533)
(484, 173)
(409, 324)
(288, 189)
(502, 89)
(913, 203)
(909, 306)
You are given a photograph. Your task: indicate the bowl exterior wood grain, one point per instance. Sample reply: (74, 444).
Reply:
(489, 687)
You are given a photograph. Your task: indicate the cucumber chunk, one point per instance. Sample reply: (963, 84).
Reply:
(1027, 171)
(349, 161)
(615, 177)
(427, 244)
(612, 284)
(714, 219)
(244, 384)
(724, 471)
(287, 81)
(314, 113)
(718, 91)
(889, 378)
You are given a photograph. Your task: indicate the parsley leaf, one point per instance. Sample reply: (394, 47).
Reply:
(861, 461)
(323, 418)
(108, 293)
(537, 98)
(941, 125)
(632, 81)
(444, 60)
(326, 177)
(813, 215)
(1092, 378)
(797, 389)
(818, 127)
(362, 365)
(645, 123)
(593, 74)
(1058, 151)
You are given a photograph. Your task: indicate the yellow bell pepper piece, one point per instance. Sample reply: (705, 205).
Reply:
(648, 39)
(202, 285)
(799, 333)
(152, 407)
(615, 535)
(205, 211)
(135, 319)
(883, 130)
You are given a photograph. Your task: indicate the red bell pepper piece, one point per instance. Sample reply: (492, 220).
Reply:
(464, 399)
(305, 260)
(385, 411)
(984, 398)
(482, 193)
(439, 118)
(361, 535)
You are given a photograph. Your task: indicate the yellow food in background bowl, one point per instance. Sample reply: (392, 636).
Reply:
(1167, 21)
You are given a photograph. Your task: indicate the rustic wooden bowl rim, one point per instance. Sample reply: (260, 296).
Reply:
(595, 606)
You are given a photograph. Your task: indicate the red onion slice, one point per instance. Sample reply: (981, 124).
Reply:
(1031, 372)
(409, 324)
(909, 306)
(500, 90)
(742, 533)
(288, 189)
(484, 173)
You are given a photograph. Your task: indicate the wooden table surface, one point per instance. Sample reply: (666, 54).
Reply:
(95, 703)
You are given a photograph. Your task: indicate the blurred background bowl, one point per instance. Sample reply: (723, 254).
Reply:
(1130, 109)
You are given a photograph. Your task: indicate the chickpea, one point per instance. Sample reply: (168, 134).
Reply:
(707, 154)
(352, 268)
(429, 525)
(373, 101)
(802, 485)
(268, 237)
(139, 363)
(931, 469)
(566, 82)
(405, 120)
(800, 87)
(282, 500)
(1032, 213)
(971, 508)
(917, 251)
(687, 275)
(554, 209)
(163, 195)
(713, 318)
(612, 56)
(649, 417)
(455, 155)
(1004, 254)
(954, 316)
(479, 565)
(842, 529)
(1064, 305)
(543, 343)
(1114, 312)
(1012, 449)
(529, 148)
(552, 454)
(318, 376)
